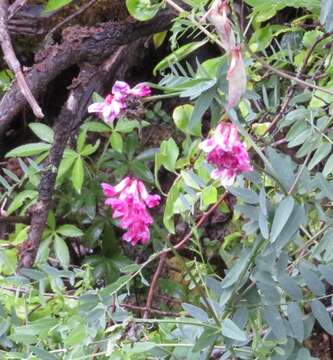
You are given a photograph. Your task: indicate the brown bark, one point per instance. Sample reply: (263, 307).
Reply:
(80, 44)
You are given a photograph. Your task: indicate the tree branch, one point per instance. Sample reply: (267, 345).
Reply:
(13, 63)
(80, 44)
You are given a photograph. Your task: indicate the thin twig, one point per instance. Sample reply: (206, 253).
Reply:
(153, 285)
(153, 311)
(13, 63)
(292, 88)
(15, 7)
(202, 219)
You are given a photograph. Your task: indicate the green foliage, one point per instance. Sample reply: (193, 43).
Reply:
(53, 5)
(272, 233)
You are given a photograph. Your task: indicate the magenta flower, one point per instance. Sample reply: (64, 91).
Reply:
(227, 153)
(218, 16)
(110, 108)
(236, 77)
(121, 90)
(129, 201)
(141, 90)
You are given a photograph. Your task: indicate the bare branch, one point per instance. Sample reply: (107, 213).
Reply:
(13, 63)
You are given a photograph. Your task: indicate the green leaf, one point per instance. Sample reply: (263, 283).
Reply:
(232, 331)
(320, 313)
(43, 251)
(167, 156)
(248, 196)
(207, 337)
(323, 150)
(195, 312)
(61, 251)
(66, 164)
(209, 196)
(127, 126)
(81, 140)
(295, 317)
(312, 280)
(237, 269)
(328, 168)
(327, 273)
(148, 154)
(78, 174)
(141, 170)
(20, 198)
(51, 220)
(274, 320)
(283, 168)
(90, 149)
(200, 107)
(178, 55)
(192, 180)
(29, 150)
(116, 142)
(281, 216)
(169, 205)
(182, 115)
(43, 354)
(43, 131)
(290, 286)
(56, 4)
(142, 9)
(96, 126)
(263, 225)
(69, 230)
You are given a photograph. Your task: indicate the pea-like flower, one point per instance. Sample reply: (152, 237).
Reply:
(236, 77)
(218, 16)
(129, 201)
(225, 150)
(110, 108)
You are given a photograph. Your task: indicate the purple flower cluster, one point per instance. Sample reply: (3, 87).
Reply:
(129, 201)
(227, 153)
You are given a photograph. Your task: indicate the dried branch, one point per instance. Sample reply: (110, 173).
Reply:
(153, 285)
(15, 7)
(13, 63)
(80, 44)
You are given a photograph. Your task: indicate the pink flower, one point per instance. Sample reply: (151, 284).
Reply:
(227, 153)
(109, 109)
(236, 77)
(218, 16)
(121, 90)
(141, 90)
(129, 201)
